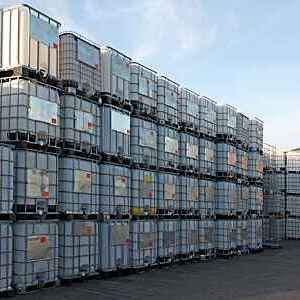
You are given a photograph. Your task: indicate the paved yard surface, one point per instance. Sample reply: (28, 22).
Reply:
(271, 275)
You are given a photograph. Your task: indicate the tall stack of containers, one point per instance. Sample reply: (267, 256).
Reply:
(255, 176)
(110, 166)
(274, 196)
(143, 91)
(79, 172)
(30, 123)
(207, 176)
(292, 193)
(226, 185)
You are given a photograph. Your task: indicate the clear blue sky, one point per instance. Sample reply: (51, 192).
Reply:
(245, 53)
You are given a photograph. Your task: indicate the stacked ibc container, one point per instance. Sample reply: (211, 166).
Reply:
(227, 189)
(292, 193)
(143, 90)
(255, 176)
(30, 123)
(274, 195)
(78, 166)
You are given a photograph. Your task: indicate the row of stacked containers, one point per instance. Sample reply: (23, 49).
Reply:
(107, 166)
(282, 193)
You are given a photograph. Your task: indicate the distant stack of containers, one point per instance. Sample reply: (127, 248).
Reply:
(106, 166)
(274, 195)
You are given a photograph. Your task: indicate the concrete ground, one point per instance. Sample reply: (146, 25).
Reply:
(273, 274)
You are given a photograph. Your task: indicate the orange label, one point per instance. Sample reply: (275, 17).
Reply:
(45, 194)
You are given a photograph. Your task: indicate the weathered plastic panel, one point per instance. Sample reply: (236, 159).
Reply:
(35, 180)
(280, 182)
(115, 189)
(143, 141)
(168, 147)
(207, 190)
(189, 109)
(266, 229)
(292, 161)
(35, 260)
(6, 255)
(207, 157)
(79, 182)
(189, 230)
(6, 180)
(144, 192)
(168, 238)
(167, 97)
(293, 183)
(168, 191)
(115, 131)
(226, 120)
(226, 158)
(242, 163)
(208, 117)
(242, 235)
(293, 228)
(255, 165)
(79, 61)
(256, 128)
(242, 128)
(226, 235)
(80, 121)
(189, 151)
(242, 198)
(293, 205)
(226, 198)
(255, 233)
(28, 38)
(78, 248)
(143, 89)
(115, 70)
(189, 193)
(143, 250)
(206, 236)
(30, 108)
(114, 245)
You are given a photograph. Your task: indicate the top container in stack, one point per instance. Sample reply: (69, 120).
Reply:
(79, 66)
(28, 44)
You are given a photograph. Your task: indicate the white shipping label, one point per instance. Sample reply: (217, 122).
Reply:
(85, 121)
(83, 182)
(38, 247)
(37, 183)
(171, 145)
(209, 155)
(44, 32)
(170, 191)
(147, 240)
(147, 186)
(148, 138)
(121, 186)
(192, 151)
(42, 110)
(120, 122)
(119, 234)
(84, 228)
(88, 54)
